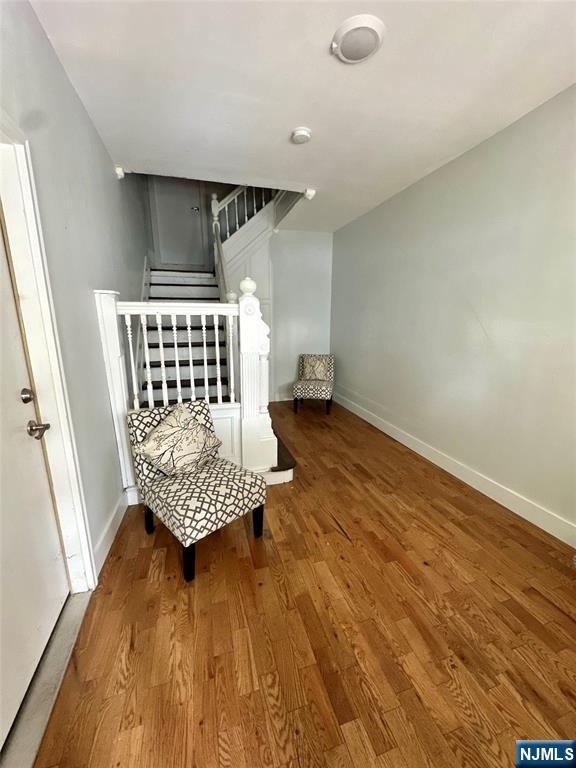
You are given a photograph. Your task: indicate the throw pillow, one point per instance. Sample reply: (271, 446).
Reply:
(315, 367)
(179, 444)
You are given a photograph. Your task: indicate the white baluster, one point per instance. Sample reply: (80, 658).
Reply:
(128, 321)
(231, 358)
(162, 363)
(227, 223)
(218, 376)
(206, 385)
(176, 358)
(190, 359)
(215, 208)
(149, 387)
(254, 200)
(263, 198)
(245, 205)
(237, 221)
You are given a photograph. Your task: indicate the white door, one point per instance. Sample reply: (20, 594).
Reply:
(33, 579)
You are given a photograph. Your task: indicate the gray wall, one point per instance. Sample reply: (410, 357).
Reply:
(454, 310)
(94, 230)
(301, 279)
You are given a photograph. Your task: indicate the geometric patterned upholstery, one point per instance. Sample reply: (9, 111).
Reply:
(314, 389)
(192, 506)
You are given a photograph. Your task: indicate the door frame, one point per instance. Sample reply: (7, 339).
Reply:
(30, 268)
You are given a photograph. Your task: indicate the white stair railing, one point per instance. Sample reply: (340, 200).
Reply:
(177, 329)
(173, 325)
(237, 208)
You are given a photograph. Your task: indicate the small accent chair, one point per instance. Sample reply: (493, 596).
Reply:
(193, 505)
(315, 380)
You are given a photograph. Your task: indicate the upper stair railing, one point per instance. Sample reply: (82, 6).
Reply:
(237, 208)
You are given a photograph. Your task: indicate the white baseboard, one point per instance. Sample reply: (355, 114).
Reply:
(544, 518)
(277, 478)
(105, 541)
(132, 495)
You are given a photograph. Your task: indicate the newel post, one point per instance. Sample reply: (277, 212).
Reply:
(259, 444)
(115, 364)
(215, 207)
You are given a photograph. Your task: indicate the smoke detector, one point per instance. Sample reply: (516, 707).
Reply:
(358, 38)
(301, 135)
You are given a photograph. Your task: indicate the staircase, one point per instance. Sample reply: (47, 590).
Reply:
(194, 337)
(171, 286)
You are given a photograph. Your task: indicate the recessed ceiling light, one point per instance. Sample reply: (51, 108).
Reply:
(358, 38)
(301, 135)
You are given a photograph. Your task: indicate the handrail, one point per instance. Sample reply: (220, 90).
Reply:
(176, 308)
(219, 268)
(230, 197)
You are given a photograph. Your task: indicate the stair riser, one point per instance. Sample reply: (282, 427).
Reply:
(156, 373)
(184, 292)
(182, 278)
(197, 354)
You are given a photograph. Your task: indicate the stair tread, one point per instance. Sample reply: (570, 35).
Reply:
(205, 299)
(196, 271)
(183, 285)
(171, 383)
(212, 399)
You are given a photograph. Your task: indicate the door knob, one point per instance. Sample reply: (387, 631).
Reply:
(26, 395)
(36, 430)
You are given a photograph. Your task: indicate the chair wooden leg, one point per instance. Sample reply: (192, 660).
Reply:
(258, 521)
(189, 561)
(295, 405)
(328, 406)
(148, 520)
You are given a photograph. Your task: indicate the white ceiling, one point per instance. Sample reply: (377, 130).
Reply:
(212, 90)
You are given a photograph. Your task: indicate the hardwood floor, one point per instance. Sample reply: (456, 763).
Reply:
(391, 616)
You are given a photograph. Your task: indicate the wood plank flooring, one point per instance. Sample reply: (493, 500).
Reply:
(391, 616)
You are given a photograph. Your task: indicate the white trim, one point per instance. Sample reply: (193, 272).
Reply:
(231, 196)
(526, 508)
(37, 307)
(102, 547)
(115, 366)
(132, 496)
(278, 477)
(153, 307)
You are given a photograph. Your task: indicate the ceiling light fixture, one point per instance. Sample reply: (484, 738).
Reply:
(358, 38)
(301, 135)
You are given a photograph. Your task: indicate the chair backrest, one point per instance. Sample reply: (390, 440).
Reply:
(319, 362)
(142, 422)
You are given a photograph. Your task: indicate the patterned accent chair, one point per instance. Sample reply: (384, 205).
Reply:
(315, 380)
(194, 505)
